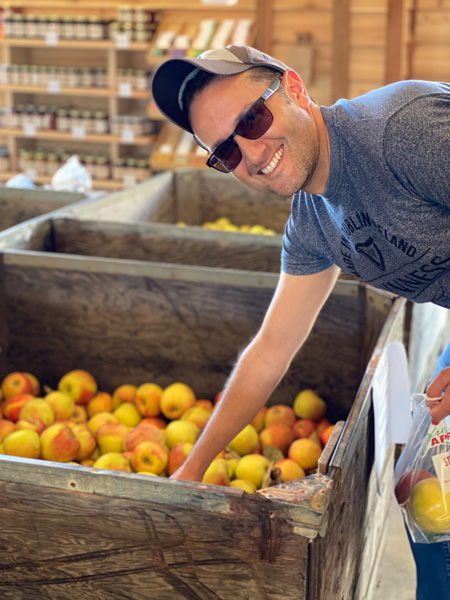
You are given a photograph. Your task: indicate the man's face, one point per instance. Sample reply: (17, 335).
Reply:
(285, 158)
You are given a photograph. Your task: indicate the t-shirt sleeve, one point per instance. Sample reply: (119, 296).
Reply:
(417, 148)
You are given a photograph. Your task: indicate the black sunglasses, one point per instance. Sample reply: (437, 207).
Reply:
(252, 125)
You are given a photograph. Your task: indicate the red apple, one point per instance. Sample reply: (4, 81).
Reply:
(280, 413)
(16, 383)
(13, 406)
(303, 428)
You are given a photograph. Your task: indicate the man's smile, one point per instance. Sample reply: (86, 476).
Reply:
(274, 161)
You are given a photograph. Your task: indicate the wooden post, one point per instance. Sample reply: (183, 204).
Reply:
(264, 21)
(395, 41)
(341, 49)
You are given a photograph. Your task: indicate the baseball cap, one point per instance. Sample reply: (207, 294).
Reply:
(170, 79)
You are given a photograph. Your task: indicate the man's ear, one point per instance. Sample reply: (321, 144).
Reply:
(294, 87)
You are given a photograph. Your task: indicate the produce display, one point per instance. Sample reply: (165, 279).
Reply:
(147, 429)
(225, 224)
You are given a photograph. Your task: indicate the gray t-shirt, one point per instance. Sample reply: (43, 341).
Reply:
(385, 213)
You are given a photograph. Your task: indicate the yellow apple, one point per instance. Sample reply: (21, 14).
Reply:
(252, 467)
(13, 406)
(148, 397)
(245, 442)
(149, 456)
(280, 413)
(144, 432)
(38, 408)
(128, 414)
(63, 405)
(101, 402)
(88, 443)
(178, 455)
(197, 415)
(36, 424)
(242, 484)
(59, 443)
(111, 437)
(181, 431)
(430, 508)
(305, 452)
(78, 384)
(16, 383)
(289, 470)
(35, 385)
(156, 421)
(217, 473)
(79, 414)
(100, 419)
(309, 405)
(24, 443)
(232, 464)
(124, 393)
(258, 421)
(114, 461)
(176, 399)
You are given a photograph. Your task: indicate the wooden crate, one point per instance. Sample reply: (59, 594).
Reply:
(18, 205)
(70, 531)
(140, 223)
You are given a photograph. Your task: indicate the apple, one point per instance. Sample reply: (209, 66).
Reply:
(79, 414)
(245, 442)
(217, 473)
(31, 423)
(232, 464)
(111, 437)
(277, 435)
(16, 383)
(149, 456)
(114, 461)
(305, 452)
(38, 408)
(252, 467)
(35, 385)
(205, 404)
(242, 484)
(280, 413)
(178, 455)
(144, 432)
(59, 443)
(99, 419)
(128, 414)
(430, 508)
(176, 399)
(148, 397)
(25, 443)
(289, 470)
(322, 425)
(198, 415)
(326, 434)
(124, 393)
(303, 428)
(62, 404)
(78, 384)
(87, 462)
(101, 402)
(156, 421)
(13, 406)
(258, 421)
(6, 427)
(181, 431)
(309, 405)
(88, 443)
(407, 481)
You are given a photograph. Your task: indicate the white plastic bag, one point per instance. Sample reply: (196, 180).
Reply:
(72, 177)
(422, 479)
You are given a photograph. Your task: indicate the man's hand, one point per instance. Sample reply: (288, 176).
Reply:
(440, 386)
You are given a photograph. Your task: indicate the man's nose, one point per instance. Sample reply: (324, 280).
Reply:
(252, 150)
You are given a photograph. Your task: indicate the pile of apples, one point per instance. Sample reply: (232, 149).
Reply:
(151, 430)
(225, 224)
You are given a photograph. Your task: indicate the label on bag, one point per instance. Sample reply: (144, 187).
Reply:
(436, 436)
(442, 466)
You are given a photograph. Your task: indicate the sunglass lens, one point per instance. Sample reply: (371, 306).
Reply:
(225, 157)
(255, 122)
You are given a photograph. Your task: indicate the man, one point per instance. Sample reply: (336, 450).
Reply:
(370, 180)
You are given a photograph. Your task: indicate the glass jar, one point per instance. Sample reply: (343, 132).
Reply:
(52, 163)
(31, 26)
(4, 160)
(87, 121)
(141, 80)
(39, 162)
(18, 26)
(143, 171)
(75, 119)
(62, 121)
(81, 31)
(87, 77)
(95, 29)
(118, 170)
(101, 124)
(101, 167)
(24, 160)
(68, 28)
(54, 26)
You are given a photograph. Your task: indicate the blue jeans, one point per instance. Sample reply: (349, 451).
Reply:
(433, 560)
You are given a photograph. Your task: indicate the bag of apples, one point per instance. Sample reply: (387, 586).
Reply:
(422, 478)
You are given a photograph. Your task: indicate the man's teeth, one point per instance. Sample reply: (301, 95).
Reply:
(273, 163)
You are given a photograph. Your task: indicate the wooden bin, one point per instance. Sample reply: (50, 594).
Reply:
(71, 531)
(140, 223)
(18, 205)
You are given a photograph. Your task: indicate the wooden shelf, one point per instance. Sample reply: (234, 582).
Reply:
(42, 134)
(98, 184)
(75, 91)
(73, 44)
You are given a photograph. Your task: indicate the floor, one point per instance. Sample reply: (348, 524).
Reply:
(396, 576)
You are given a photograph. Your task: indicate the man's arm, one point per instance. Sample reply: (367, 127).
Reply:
(296, 303)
